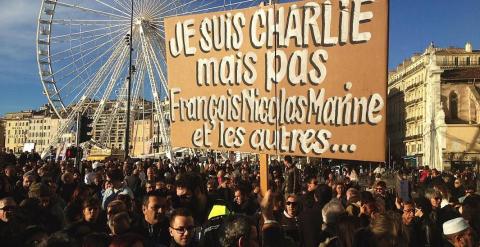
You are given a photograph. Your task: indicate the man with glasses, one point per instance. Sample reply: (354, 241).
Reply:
(181, 228)
(9, 227)
(154, 226)
(380, 191)
(411, 223)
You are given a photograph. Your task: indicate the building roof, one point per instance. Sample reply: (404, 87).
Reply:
(461, 74)
(454, 50)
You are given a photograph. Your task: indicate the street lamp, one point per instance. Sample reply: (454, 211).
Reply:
(129, 85)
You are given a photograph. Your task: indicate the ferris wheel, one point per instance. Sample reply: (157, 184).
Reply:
(83, 55)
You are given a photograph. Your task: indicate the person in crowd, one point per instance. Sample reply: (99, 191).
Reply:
(312, 184)
(115, 177)
(239, 231)
(437, 216)
(292, 184)
(414, 235)
(458, 189)
(289, 220)
(311, 217)
(133, 180)
(51, 210)
(21, 191)
(182, 228)
(115, 207)
(469, 190)
(459, 233)
(191, 194)
(330, 213)
(339, 193)
(90, 176)
(243, 203)
(73, 210)
(119, 224)
(227, 206)
(470, 211)
(150, 186)
(154, 225)
(10, 227)
(353, 204)
(380, 192)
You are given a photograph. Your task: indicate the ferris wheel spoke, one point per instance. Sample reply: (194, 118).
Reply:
(88, 22)
(112, 7)
(138, 79)
(123, 5)
(214, 8)
(197, 5)
(113, 81)
(158, 67)
(116, 58)
(62, 38)
(87, 43)
(151, 76)
(93, 62)
(77, 6)
(84, 55)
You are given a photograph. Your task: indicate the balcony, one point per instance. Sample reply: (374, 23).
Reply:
(413, 137)
(447, 64)
(415, 101)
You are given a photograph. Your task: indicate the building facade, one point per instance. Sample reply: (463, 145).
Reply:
(17, 125)
(41, 127)
(2, 133)
(37, 127)
(433, 108)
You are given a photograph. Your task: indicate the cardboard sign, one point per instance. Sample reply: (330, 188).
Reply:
(304, 78)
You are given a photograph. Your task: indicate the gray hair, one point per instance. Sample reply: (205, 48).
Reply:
(331, 211)
(429, 194)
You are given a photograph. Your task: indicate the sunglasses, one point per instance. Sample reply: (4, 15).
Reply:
(291, 203)
(8, 208)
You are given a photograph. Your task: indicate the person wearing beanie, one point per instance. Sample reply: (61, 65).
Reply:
(53, 216)
(459, 233)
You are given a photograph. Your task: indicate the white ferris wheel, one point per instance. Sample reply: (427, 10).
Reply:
(83, 55)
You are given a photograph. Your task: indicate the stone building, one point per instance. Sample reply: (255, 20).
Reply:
(433, 108)
(17, 125)
(2, 133)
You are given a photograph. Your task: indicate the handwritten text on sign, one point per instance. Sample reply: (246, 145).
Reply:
(306, 78)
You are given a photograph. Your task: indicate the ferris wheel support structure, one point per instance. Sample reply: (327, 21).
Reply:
(83, 60)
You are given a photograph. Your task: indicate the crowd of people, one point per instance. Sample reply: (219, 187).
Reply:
(220, 203)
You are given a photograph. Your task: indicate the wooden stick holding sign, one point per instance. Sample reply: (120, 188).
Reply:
(263, 173)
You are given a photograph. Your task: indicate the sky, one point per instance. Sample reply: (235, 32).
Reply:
(413, 25)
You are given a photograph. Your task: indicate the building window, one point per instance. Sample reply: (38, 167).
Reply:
(455, 60)
(453, 105)
(468, 60)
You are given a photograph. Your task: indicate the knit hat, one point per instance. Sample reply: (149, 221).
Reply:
(455, 226)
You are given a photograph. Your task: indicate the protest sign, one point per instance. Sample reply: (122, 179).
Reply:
(303, 78)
